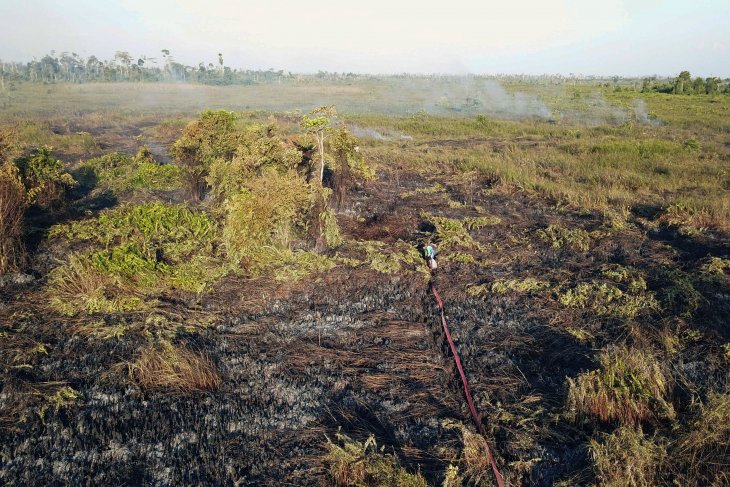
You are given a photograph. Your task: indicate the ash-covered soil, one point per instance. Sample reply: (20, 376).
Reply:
(352, 350)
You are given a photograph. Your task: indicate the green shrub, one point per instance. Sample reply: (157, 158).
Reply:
(13, 203)
(700, 455)
(210, 138)
(123, 174)
(436, 188)
(259, 149)
(44, 177)
(607, 299)
(79, 287)
(271, 211)
(173, 229)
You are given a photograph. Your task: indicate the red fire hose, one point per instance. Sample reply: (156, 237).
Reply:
(474, 414)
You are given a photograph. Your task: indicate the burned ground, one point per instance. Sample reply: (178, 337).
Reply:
(361, 351)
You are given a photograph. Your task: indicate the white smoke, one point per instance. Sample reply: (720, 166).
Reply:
(369, 133)
(642, 116)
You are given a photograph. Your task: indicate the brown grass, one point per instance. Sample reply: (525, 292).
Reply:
(13, 203)
(628, 458)
(630, 387)
(174, 369)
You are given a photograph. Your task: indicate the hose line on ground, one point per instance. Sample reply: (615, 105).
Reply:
(474, 414)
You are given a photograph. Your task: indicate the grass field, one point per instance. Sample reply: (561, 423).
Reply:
(189, 267)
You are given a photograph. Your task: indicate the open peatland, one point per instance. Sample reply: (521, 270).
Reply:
(201, 298)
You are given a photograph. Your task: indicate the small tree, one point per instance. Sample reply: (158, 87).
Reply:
(318, 123)
(682, 83)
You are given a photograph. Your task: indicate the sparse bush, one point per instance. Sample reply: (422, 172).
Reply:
(354, 463)
(628, 458)
(176, 369)
(630, 387)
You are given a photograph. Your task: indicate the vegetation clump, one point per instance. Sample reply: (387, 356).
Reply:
(558, 237)
(627, 457)
(174, 368)
(625, 295)
(353, 463)
(630, 387)
(146, 247)
(123, 174)
(502, 286)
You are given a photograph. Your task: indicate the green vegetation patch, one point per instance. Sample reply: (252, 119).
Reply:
(502, 286)
(124, 174)
(625, 296)
(559, 237)
(627, 457)
(146, 248)
(452, 233)
(174, 229)
(435, 189)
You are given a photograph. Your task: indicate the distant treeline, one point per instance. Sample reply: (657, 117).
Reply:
(123, 67)
(685, 85)
(72, 68)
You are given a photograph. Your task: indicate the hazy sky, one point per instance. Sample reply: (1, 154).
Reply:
(602, 37)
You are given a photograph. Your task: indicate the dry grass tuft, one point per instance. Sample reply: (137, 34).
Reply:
(13, 203)
(353, 463)
(628, 458)
(174, 369)
(703, 452)
(630, 387)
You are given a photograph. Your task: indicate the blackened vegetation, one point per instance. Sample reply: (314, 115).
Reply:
(532, 298)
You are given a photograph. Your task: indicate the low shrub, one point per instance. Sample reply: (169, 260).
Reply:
(701, 453)
(122, 174)
(172, 229)
(44, 177)
(609, 299)
(270, 212)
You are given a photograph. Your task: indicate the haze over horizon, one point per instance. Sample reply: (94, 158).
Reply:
(610, 37)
